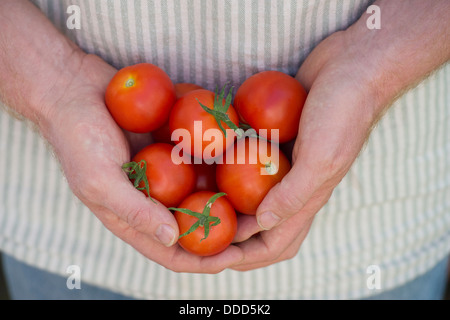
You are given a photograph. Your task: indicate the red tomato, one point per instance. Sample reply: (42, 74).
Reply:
(220, 235)
(163, 134)
(140, 97)
(168, 182)
(271, 100)
(249, 178)
(182, 88)
(206, 177)
(187, 110)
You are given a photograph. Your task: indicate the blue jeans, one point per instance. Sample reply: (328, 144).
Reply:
(26, 282)
(429, 286)
(29, 283)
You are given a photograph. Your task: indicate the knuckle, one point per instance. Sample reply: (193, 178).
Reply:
(136, 217)
(290, 254)
(272, 253)
(327, 162)
(175, 268)
(324, 164)
(290, 198)
(88, 190)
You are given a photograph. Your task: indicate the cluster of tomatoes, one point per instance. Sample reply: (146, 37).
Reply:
(204, 166)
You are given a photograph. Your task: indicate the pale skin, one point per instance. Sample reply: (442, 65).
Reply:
(352, 78)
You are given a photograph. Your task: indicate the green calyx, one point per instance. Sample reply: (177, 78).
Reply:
(136, 173)
(130, 82)
(204, 219)
(271, 168)
(219, 111)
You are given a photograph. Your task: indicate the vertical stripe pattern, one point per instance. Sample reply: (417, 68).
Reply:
(391, 210)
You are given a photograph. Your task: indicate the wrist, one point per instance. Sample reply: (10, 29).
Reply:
(49, 98)
(81, 92)
(37, 64)
(410, 45)
(30, 87)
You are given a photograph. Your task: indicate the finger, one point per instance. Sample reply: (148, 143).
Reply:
(247, 226)
(183, 261)
(275, 245)
(92, 162)
(287, 254)
(134, 218)
(174, 258)
(288, 197)
(321, 159)
(177, 259)
(114, 192)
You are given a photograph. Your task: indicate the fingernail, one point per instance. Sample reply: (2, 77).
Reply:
(165, 235)
(267, 220)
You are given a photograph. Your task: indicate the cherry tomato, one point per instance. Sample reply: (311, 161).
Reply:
(187, 113)
(271, 100)
(182, 88)
(219, 236)
(248, 179)
(140, 97)
(163, 134)
(168, 182)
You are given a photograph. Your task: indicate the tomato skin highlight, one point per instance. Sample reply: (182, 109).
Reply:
(242, 180)
(140, 97)
(187, 110)
(220, 236)
(169, 183)
(271, 100)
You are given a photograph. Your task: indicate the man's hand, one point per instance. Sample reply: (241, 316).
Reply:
(335, 123)
(91, 149)
(352, 77)
(49, 81)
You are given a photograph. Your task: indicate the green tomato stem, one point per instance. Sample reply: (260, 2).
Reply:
(136, 172)
(204, 218)
(219, 110)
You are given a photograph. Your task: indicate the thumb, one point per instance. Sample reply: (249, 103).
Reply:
(286, 198)
(121, 201)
